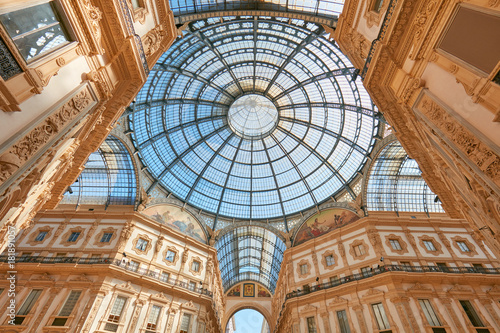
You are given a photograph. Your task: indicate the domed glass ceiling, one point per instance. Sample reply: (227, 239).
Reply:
(253, 118)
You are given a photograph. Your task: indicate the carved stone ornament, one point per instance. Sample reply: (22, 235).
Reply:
(200, 266)
(309, 308)
(93, 15)
(374, 291)
(418, 287)
(189, 306)
(145, 200)
(478, 152)
(335, 260)
(338, 300)
(152, 40)
(43, 277)
(64, 241)
(127, 286)
(29, 145)
(459, 289)
(82, 278)
(176, 256)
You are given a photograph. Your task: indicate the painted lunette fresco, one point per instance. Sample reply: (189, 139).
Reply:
(324, 222)
(177, 219)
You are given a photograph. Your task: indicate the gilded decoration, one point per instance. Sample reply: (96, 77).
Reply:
(478, 152)
(176, 256)
(335, 260)
(148, 246)
(200, 268)
(402, 243)
(64, 238)
(436, 244)
(299, 271)
(472, 248)
(32, 239)
(355, 244)
(98, 237)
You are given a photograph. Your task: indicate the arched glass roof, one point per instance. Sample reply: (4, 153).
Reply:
(249, 253)
(108, 177)
(396, 184)
(222, 161)
(314, 7)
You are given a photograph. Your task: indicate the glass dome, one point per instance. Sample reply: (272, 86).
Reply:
(253, 118)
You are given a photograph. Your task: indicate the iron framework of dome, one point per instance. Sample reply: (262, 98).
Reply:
(300, 130)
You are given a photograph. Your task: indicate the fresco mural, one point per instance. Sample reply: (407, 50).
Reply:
(175, 218)
(248, 290)
(263, 292)
(323, 222)
(234, 292)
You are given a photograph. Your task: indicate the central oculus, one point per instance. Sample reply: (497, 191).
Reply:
(252, 116)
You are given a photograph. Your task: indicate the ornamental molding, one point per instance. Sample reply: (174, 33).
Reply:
(338, 300)
(469, 144)
(90, 17)
(459, 289)
(13, 159)
(193, 259)
(32, 238)
(64, 238)
(357, 243)
(176, 257)
(189, 306)
(402, 243)
(308, 309)
(335, 260)
(98, 237)
(437, 245)
(152, 41)
(149, 245)
(126, 287)
(418, 287)
(472, 248)
(299, 265)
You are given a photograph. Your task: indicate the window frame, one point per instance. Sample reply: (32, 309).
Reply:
(380, 316)
(61, 319)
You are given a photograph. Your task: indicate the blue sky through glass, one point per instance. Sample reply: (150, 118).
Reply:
(248, 321)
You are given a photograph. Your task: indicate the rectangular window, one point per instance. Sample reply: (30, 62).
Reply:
(192, 285)
(472, 314)
(36, 30)
(153, 318)
(380, 317)
(377, 5)
(186, 320)
(170, 256)
(463, 246)
(406, 265)
(141, 244)
(330, 260)
(429, 312)
(116, 310)
(343, 322)
(334, 279)
(195, 266)
(359, 250)
(133, 266)
(67, 308)
(73, 237)
(165, 276)
(395, 244)
(429, 245)
(303, 269)
(25, 309)
(41, 236)
(311, 325)
(442, 266)
(106, 237)
(366, 271)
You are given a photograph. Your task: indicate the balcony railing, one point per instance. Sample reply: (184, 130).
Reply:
(393, 268)
(107, 261)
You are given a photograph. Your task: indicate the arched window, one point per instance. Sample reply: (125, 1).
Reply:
(250, 253)
(108, 178)
(395, 184)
